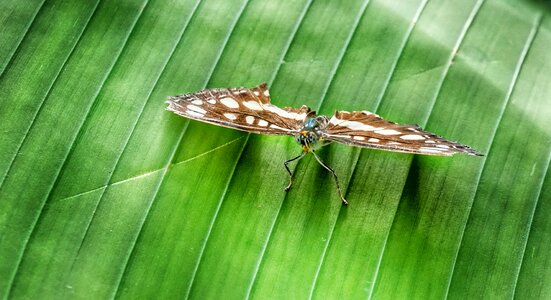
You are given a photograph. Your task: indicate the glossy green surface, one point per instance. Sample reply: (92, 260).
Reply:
(104, 194)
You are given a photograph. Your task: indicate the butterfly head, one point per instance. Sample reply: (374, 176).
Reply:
(310, 134)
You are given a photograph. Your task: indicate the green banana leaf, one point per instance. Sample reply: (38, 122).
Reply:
(105, 194)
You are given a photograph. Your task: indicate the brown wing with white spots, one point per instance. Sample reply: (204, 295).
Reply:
(365, 129)
(240, 108)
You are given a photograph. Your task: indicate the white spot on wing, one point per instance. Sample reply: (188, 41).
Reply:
(354, 125)
(277, 127)
(430, 150)
(230, 116)
(197, 102)
(283, 113)
(373, 140)
(412, 137)
(266, 93)
(196, 109)
(429, 142)
(249, 119)
(211, 101)
(443, 146)
(359, 138)
(229, 102)
(388, 132)
(252, 105)
(339, 136)
(262, 123)
(194, 114)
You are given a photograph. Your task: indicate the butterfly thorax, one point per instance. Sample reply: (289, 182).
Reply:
(309, 135)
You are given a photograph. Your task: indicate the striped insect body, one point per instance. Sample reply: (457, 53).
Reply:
(250, 110)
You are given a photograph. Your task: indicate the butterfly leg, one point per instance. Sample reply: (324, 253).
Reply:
(286, 163)
(334, 175)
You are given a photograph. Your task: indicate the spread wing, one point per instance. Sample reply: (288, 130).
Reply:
(365, 129)
(240, 108)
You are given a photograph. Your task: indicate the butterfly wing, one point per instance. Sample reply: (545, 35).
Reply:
(365, 129)
(240, 108)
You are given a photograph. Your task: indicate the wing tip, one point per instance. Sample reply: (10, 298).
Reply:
(464, 149)
(171, 104)
(473, 152)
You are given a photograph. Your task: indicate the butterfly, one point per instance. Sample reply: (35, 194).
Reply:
(250, 110)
